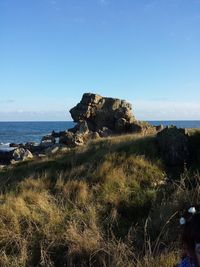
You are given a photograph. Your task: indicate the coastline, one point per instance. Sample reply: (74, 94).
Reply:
(32, 131)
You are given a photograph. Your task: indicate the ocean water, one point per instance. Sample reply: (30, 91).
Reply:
(179, 124)
(22, 132)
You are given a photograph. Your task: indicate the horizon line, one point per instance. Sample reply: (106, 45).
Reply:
(151, 120)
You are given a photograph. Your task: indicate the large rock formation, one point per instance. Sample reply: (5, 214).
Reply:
(95, 117)
(173, 144)
(112, 113)
(101, 112)
(98, 116)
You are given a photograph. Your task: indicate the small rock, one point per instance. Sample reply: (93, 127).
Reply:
(67, 139)
(79, 140)
(142, 127)
(48, 139)
(21, 154)
(52, 150)
(30, 144)
(64, 149)
(13, 145)
(105, 132)
(93, 135)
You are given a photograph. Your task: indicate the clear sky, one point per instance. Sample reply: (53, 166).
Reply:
(144, 51)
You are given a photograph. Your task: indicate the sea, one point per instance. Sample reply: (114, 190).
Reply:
(22, 132)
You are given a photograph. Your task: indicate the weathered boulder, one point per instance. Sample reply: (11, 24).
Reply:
(30, 144)
(52, 150)
(96, 116)
(48, 140)
(93, 135)
(67, 139)
(34, 147)
(105, 132)
(79, 140)
(57, 134)
(73, 139)
(106, 116)
(173, 144)
(142, 127)
(21, 154)
(81, 128)
(101, 112)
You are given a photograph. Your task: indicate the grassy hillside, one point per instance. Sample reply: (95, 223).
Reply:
(106, 204)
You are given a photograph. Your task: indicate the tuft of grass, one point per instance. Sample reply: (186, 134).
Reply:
(106, 204)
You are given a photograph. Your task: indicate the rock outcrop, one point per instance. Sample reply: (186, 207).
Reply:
(99, 116)
(101, 112)
(95, 117)
(15, 155)
(173, 144)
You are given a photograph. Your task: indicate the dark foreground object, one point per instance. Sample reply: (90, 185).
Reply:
(174, 145)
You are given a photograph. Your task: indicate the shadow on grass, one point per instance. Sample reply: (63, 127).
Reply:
(89, 156)
(194, 147)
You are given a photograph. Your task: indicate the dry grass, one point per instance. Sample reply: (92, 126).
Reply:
(106, 204)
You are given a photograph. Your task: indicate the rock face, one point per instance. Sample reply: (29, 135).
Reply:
(98, 116)
(101, 112)
(173, 144)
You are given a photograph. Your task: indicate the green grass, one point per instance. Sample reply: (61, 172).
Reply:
(105, 204)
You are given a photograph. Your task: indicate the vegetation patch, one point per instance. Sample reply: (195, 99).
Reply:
(106, 204)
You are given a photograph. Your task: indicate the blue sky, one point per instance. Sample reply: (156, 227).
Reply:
(144, 51)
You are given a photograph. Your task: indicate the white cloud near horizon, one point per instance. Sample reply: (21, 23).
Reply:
(166, 110)
(142, 110)
(21, 115)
